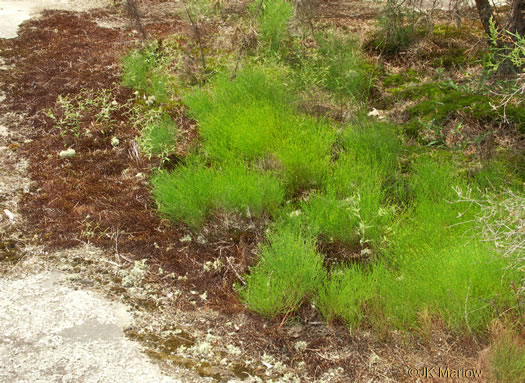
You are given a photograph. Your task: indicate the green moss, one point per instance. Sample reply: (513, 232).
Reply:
(398, 79)
(441, 100)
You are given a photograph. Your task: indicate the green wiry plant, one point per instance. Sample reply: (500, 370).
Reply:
(193, 192)
(288, 272)
(396, 29)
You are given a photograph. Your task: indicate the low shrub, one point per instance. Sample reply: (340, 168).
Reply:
(373, 144)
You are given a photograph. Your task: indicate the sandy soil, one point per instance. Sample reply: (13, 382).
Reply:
(13, 13)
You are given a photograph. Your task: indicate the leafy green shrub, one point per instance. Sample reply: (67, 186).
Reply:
(344, 295)
(273, 21)
(159, 138)
(289, 271)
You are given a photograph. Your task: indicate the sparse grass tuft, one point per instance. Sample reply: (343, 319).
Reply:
(335, 66)
(143, 70)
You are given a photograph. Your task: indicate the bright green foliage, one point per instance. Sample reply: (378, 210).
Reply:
(462, 283)
(252, 119)
(289, 271)
(159, 137)
(238, 189)
(260, 157)
(136, 67)
(432, 180)
(373, 144)
(434, 264)
(239, 119)
(186, 194)
(355, 206)
(273, 21)
(332, 218)
(303, 146)
(191, 192)
(345, 295)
